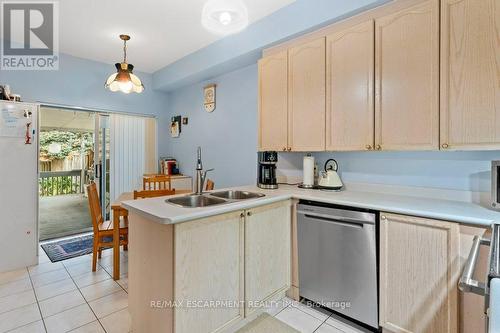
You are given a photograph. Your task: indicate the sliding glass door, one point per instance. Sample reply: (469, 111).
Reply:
(66, 164)
(78, 147)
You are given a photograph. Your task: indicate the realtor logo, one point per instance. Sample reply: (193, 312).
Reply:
(30, 35)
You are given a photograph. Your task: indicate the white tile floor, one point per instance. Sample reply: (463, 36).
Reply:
(306, 319)
(67, 297)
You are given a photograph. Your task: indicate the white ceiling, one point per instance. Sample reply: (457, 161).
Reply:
(162, 31)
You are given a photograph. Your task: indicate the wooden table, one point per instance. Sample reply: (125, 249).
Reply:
(119, 211)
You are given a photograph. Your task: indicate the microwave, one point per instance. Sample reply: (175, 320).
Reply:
(495, 184)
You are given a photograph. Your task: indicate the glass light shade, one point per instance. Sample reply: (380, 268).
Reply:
(224, 17)
(124, 80)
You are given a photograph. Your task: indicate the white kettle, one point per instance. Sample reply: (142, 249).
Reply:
(329, 179)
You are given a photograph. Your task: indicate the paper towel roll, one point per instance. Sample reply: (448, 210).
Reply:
(308, 170)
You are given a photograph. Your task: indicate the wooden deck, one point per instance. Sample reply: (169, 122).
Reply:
(64, 215)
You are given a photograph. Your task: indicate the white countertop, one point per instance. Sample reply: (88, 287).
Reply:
(158, 210)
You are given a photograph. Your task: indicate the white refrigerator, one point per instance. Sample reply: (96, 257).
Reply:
(18, 185)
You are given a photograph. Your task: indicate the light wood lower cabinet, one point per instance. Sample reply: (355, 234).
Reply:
(419, 271)
(209, 267)
(470, 74)
(201, 275)
(267, 253)
(407, 79)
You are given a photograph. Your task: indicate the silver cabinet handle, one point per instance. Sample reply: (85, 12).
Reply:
(467, 283)
(494, 260)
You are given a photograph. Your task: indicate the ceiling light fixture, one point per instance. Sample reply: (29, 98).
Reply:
(224, 17)
(124, 80)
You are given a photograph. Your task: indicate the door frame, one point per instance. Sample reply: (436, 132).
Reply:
(98, 112)
(101, 130)
(91, 109)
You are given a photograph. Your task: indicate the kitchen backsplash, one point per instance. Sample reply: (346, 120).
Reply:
(465, 171)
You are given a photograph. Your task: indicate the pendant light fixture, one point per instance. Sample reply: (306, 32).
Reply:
(124, 80)
(224, 17)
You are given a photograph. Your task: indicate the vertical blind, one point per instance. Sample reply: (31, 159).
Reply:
(128, 153)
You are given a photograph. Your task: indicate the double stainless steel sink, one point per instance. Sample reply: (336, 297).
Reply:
(237, 195)
(195, 200)
(211, 199)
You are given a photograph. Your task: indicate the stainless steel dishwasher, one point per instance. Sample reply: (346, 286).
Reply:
(337, 250)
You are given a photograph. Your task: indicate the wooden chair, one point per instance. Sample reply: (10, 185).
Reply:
(210, 185)
(156, 182)
(152, 193)
(103, 229)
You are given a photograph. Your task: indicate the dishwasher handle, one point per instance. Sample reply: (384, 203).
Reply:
(467, 283)
(340, 220)
(494, 260)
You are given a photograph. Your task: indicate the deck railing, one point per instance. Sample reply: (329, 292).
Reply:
(53, 183)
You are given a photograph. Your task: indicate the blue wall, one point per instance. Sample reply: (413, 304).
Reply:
(228, 136)
(80, 82)
(447, 170)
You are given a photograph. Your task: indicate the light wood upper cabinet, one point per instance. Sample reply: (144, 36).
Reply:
(349, 88)
(209, 266)
(273, 102)
(407, 79)
(267, 252)
(470, 74)
(306, 96)
(419, 271)
(425, 77)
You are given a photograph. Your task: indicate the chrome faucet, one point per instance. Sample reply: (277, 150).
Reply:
(200, 174)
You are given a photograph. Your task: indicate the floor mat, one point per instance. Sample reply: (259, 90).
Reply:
(70, 247)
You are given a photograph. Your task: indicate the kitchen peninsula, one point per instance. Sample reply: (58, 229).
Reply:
(211, 268)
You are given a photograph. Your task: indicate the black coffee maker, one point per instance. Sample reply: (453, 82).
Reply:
(266, 173)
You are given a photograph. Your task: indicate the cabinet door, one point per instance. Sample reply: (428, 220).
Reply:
(267, 252)
(349, 80)
(407, 79)
(209, 267)
(182, 183)
(419, 271)
(470, 74)
(273, 102)
(306, 96)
